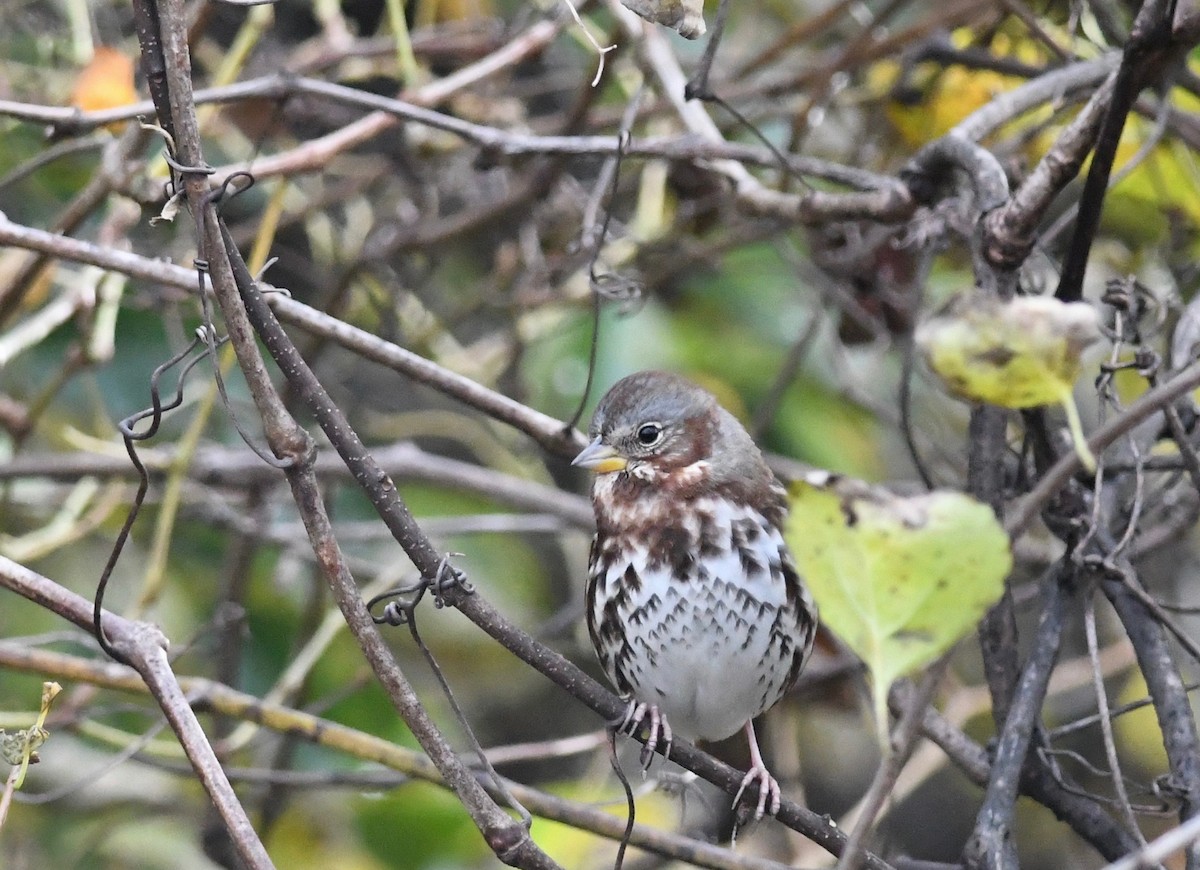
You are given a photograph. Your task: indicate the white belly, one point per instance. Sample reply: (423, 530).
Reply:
(711, 643)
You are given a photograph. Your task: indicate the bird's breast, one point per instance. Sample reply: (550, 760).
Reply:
(689, 607)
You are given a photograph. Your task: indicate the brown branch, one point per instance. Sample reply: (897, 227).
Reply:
(1008, 232)
(240, 468)
(991, 844)
(145, 648)
(1087, 818)
(1172, 705)
(391, 509)
(1053, 86)
(543, 429)
(547, 431)
(1153, 49)
(217, 697)
(279, 88)
(289, 441)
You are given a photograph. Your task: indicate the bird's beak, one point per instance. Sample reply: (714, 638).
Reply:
(600, 458)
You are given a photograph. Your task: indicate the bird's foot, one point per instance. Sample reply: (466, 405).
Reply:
(769, 796)
(658, 729)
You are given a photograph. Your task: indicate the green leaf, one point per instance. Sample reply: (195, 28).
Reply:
(900, 580)
(1019, 353)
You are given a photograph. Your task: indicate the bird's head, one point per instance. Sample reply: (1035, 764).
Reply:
(657, 427)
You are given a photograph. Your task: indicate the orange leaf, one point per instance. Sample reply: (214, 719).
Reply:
(106, 82)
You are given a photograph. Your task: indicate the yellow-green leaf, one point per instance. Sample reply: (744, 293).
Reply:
(898, 579)
(1017, 354)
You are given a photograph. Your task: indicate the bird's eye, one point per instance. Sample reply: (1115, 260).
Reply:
(650, 434)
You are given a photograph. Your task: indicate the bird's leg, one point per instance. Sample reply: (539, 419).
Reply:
(768, 786)
(659, 730)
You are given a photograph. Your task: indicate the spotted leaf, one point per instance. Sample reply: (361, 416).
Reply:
(684, 16)
(1017, 354)
(898, 579)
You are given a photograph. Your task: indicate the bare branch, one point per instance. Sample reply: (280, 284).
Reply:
(144, 647)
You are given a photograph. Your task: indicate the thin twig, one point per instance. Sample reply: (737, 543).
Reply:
(402, 763)
(1019, 516)
(600, 51)
(903, 740)
(1110, 746)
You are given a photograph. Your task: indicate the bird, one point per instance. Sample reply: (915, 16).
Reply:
(694, 605)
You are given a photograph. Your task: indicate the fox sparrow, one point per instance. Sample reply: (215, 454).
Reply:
(693, 604)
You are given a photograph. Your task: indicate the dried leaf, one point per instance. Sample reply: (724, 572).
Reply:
(685, 16)
(106, 82)
(170, 210)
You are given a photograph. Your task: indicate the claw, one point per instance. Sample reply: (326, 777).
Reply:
(769, 796)
(658, 730)
(647, 753)
(633, 715)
